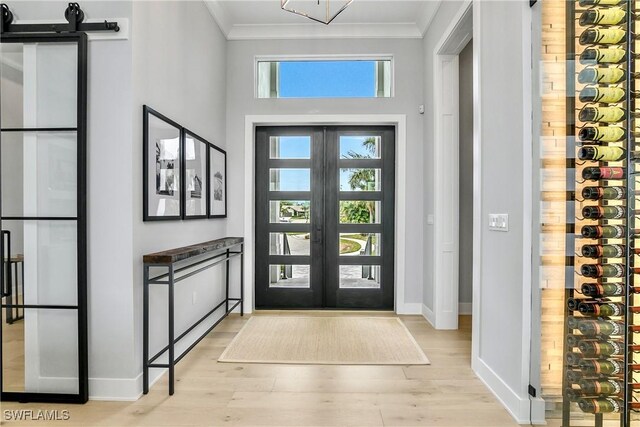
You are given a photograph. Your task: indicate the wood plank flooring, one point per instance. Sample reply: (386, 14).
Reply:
(445, 393)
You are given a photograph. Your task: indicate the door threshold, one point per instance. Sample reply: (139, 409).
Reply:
(322, 311)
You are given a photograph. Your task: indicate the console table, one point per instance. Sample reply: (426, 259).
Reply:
(180, 264)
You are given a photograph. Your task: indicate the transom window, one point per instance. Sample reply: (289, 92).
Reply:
(324, 78)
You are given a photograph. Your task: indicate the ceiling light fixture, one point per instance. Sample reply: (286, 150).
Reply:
(323, 11)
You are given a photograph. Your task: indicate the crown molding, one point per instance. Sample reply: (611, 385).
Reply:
(219, 15)
(429, 11)
(317, 31)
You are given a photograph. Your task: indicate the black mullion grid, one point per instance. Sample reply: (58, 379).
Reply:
(80, 38)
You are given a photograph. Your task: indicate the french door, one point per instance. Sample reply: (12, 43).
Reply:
(325, 217)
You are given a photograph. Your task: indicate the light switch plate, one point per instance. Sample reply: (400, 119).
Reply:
(499, 222)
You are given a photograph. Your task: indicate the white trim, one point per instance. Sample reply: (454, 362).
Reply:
(446, 169)
(398, 30)
(121, 389)
(538, 410)
(465, 308)
(527, 204)
(427, 313)
(477, 192)
(410, 308)
(518, 407)
(219, 15)
(429, 11)
(398, 120)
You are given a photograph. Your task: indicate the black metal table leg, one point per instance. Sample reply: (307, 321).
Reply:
(171, 333)
(145, 331)
(226, 295)
(242, 280)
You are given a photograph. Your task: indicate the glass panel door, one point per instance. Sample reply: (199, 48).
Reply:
(43, 218)
(324, 217)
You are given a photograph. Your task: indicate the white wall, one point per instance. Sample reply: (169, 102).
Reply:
(179, 57)
(408, 96)
(501, 329)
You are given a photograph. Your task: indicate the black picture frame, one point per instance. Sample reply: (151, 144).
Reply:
(217, 186)
(190, 192)
(164, 183)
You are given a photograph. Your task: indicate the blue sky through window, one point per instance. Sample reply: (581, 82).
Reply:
(327, 79)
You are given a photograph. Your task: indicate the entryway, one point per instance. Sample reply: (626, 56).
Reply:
(324, 217)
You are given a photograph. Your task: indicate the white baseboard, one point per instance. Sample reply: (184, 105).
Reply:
(427, 313)
(121, 389)
(116, 389)
(465, 308)
(518, 407)
(538, 411)
(409, 308)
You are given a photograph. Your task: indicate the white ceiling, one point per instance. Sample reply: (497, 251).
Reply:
(259, 19)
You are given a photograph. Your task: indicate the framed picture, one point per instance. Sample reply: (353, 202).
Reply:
(196, 176)
(218, 182)
(162, 167)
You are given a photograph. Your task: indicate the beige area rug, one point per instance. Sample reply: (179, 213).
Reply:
(325, 341)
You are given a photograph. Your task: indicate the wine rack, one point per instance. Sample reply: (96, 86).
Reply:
(601, 340)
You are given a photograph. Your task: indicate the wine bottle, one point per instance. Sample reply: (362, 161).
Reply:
(573, 376)
(588, 3)
(604, 36)
(606, 212)
(600, 406)
(607, 193)
(603, 251)
(574, 340)
(602, 270)
(606, 95)
(596, 135)
(573, 359)
(601, 75)
(592, 328)
(573, 303)
(602, 387)
(602, 231)
(598, 173)
(606, 309)
(601, 367)
(598, 55)
(601, 114)
(601, 154)
(598, 290)
(591, 348)
(603, 16)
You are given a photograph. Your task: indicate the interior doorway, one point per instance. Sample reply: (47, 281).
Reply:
(447, 173)
(465, 191)
(324, 217)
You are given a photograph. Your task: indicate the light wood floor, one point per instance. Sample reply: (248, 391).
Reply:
(445, 393)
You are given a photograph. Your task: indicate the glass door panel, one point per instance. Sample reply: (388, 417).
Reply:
(43, 217)
(325, 217)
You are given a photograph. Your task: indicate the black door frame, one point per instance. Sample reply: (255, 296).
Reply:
(80, 38)
(324, 292)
